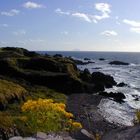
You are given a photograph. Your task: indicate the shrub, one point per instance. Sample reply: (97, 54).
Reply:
(48, 116)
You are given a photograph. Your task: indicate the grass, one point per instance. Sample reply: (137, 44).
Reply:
(10, 91)
(46, 93)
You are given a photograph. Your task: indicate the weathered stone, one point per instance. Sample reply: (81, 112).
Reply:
(41, 135)
(118, 63)
(118, 97)
(101, 79)
(122, 84)
(16, 138)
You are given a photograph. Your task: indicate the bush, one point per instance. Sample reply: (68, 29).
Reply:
(47, 116)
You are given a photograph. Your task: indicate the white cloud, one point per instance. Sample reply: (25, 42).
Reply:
(105, 15)
(20, 32)
(136, 30)
(59, 11)
(82, 16)
(109, 33)
(11, 13)
(104, 8)
(132, 22)
(135, 25)
(32, 5)
(4, 25)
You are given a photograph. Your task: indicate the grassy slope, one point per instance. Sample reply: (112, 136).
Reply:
(14, 90)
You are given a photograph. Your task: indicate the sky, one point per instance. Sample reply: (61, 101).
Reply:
(71, 25)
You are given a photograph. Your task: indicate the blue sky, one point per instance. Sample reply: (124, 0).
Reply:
(86, 25)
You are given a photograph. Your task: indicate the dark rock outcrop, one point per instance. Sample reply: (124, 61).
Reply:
(96, 68)
(86, 58)
(103, 80)
(80, 62)
(101, 59)
(122, 84)
(118, 97)
(131, 133)
(85, 75)
(136, 97)
(58, 73)
(118, 63)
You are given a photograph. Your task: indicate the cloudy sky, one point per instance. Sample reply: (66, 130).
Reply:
(86, 25)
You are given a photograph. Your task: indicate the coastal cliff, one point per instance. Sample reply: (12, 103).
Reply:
(26, 75)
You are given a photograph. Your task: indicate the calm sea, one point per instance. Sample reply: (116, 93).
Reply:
(131, 57)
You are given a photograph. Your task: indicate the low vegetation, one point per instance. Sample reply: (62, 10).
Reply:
(137, 120)
(10, 92)
(48, 116)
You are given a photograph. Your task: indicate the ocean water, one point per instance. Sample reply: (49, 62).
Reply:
(121, 114)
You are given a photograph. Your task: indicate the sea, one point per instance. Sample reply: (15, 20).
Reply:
(121, 114)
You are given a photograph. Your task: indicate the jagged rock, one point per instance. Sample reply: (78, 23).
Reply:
(118, 97)
(86, 58)
(122, 84)
(101, 59)
(118, 63)
(137, 98)
(104, 80)
(85, 75)
(97, 68)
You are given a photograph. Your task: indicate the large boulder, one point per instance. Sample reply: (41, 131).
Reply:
(122, 84)
(99, 78)
(86, 58)
(101, 59)
(118, 97)
(85, 75)
(118, 63)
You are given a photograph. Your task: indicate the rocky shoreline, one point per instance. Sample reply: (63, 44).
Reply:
(36, 76)
(85, 108)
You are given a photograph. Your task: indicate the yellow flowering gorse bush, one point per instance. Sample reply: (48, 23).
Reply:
(46, 115)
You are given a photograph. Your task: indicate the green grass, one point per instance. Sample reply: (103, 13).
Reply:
(46, 93)
(10, 90)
